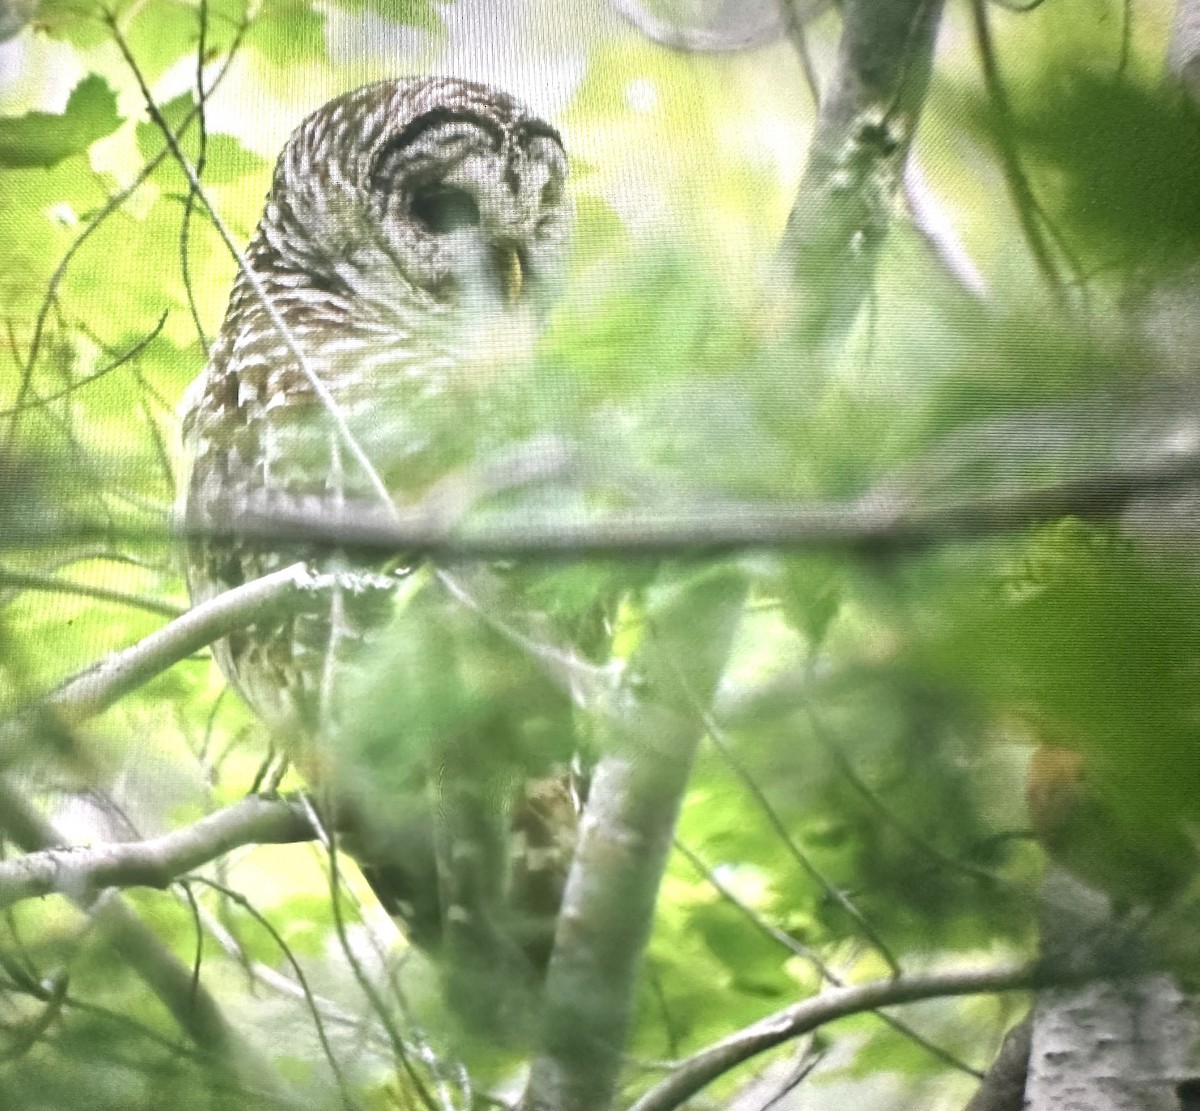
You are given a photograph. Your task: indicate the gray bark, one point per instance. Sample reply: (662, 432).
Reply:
(844, 206)
(1121, 1043)
(608, 906)
(1183, 49)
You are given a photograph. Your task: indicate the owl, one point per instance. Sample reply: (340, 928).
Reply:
(409, 224)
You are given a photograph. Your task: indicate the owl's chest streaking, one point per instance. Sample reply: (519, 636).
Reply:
(261, 436)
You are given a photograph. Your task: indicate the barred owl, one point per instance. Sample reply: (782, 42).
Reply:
(405, 221)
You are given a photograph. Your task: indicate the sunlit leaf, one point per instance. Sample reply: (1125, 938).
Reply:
(44, 139)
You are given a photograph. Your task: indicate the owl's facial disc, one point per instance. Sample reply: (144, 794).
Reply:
(443, 210)
(479, 210)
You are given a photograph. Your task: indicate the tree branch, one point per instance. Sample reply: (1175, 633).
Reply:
(935, 228)
(801, 1018)
(97, 688)
(864, 129)
(879, 521)
(1003, 1087)
(187, 1000)
(1183, 49)
(625, 836)
(82, 873)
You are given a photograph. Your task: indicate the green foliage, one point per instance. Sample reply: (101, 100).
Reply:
(43, 139)
(224, 158)
(861, 794)
(425, 15)
(288, 32)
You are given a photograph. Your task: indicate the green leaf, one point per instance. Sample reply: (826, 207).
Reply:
(225, 159)
(43, 139)
(422, 14)
(160, 33)
(72, 22)
(1124, 166)
(42, 210)
(288, 33)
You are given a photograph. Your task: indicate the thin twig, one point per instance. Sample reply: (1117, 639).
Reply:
(201, 158)
(374, 998)
(310, 1001)
(95, 223)
(1028, 209)
(720, 742)
(827, 974)
(847, 770)
(52, 584)
(192, 1006)
(108, 368)
(288, 339)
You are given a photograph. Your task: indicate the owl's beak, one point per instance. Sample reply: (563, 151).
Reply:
(507, 261)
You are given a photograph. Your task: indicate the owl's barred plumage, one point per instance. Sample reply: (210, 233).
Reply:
(405, 220)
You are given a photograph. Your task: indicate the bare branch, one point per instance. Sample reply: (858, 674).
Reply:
(938, 232)
(1183, 50)
(800, 1018)
(82, 873)
(98, 688)
(625, 836)
(1003, 1087)
(189, 1002)
(877, 522)
(94, 690)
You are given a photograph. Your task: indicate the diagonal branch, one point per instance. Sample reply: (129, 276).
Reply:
(94, 690)
(801, 1018)
(935, 228)
(82, 873)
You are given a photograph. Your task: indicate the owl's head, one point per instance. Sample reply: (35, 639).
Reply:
(431, 192)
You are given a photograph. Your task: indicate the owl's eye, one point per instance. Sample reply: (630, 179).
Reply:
(441, 209)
